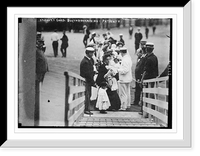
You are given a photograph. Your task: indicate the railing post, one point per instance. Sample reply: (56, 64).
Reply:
(66, 97)
(37, 103)
(144, 104)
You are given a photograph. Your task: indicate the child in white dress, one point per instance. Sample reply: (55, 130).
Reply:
(103, 102)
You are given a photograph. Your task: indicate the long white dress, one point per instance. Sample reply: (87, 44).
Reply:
(103, 101)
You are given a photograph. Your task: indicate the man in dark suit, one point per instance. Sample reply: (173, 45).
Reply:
(87, 72)
(141, 53)
(138, 38)
(150, 67)
(151, 64)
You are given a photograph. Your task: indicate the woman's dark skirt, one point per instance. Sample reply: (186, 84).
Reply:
(114, 99)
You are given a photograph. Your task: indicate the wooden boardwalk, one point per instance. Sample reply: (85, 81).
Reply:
(115, 119)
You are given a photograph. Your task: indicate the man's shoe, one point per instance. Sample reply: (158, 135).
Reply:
(103, 112)
(140, 113)
(88, 112)
(122, 109)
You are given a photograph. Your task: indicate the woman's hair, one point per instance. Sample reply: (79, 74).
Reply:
(109, 73)
(103, 84)
(105, 56)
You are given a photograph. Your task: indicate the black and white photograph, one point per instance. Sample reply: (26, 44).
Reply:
(99, 77)
(95, 73)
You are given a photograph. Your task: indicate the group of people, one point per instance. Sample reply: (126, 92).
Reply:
(55, 41)
(138, 35)
(107, 66)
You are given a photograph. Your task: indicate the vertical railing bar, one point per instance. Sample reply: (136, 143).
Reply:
(37, 103)
(66, 98)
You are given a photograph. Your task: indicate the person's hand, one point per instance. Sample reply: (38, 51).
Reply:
(138, 81)
(141, 84)
(94, 85)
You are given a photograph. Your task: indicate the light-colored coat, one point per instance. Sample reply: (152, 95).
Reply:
(125, 69)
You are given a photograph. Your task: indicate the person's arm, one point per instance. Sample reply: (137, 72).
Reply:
(141, 81)
(87, 74)
(61, 38)
(57, 36)
(135, 35)
(124, 68)
(94, 40)
(143, 75)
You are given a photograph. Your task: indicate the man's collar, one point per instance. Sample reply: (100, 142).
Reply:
(150, 54)
(87, 57)
(144, 55)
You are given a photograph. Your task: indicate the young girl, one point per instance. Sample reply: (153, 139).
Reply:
(103, 102)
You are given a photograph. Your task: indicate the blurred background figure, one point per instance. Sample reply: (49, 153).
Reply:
(55, 39)
(64, 44)
(154, 29)
(121, 39)
(109, 34)
(41, 38)
(147, 32)
(41, 62)
(92, 39)
(138, 38)
(105, 37)
(86, 35)
(130, 31)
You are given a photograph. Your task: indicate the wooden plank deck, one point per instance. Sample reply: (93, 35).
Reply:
(115, 119)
